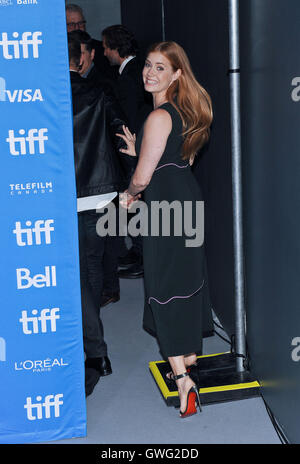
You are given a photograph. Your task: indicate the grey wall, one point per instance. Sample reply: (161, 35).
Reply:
(99, 14)
(270, 99)
(270, 60)
(201, 27)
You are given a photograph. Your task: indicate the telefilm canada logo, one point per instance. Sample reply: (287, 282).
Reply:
(30, 188)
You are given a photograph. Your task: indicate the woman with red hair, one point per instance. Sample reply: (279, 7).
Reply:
(172, 135)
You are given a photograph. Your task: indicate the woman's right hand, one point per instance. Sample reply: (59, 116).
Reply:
(126, 199)
(130, 140)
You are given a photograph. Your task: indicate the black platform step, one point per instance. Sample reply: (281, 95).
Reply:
(216, 377)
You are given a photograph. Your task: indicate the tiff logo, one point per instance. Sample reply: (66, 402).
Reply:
(33, 235)
(34, 135)
(11, 48)
(39, 280)
(39, 323)
(42, 410)
(2, 349)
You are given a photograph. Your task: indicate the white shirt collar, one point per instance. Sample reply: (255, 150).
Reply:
(129, 58)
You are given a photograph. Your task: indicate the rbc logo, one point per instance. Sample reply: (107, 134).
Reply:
(11, 48)
(2, 349)
(34, 135)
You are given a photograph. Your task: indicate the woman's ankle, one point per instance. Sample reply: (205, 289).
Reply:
(190, 359)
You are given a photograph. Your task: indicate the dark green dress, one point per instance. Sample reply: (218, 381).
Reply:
(174, 274)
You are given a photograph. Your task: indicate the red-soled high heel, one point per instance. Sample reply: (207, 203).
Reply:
(192, 396)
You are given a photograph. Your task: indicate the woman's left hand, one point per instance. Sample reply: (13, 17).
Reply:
(130, 140)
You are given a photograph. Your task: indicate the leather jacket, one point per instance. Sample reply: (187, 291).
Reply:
(96, 120)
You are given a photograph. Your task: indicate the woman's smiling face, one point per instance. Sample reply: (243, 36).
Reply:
(158, 73)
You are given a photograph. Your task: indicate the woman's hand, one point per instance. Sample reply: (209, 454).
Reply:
(126, 199)
(129, 139)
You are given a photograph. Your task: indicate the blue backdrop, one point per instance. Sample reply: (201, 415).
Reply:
(41, 353)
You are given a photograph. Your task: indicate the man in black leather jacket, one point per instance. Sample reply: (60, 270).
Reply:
(96, 120)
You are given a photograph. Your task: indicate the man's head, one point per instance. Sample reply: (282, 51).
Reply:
(75, 18)
(118, 44)
(87, 50)
(75, 59)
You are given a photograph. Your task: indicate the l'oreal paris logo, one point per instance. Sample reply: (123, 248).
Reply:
(41, 365)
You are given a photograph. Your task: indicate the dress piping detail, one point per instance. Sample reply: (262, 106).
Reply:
(171, 164)
(175, 297)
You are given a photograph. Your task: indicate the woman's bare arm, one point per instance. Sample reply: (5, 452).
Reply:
(156, 132)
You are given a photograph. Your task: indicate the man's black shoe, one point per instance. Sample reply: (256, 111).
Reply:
(92, 377)
(134, 272)
(128, 260)
(106, 299)
(102, 365)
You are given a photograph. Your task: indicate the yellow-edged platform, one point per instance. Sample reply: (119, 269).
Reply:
(215, 376)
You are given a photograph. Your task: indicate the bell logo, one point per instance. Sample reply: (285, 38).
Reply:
(42, 410)
(11, 48)
(24, 280)
(2, 349)
(18, 145)
(39, 323)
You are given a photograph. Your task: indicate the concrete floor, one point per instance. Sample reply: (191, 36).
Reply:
(127, 407)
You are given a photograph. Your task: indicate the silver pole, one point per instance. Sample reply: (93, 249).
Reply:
(163, 20)
(234, 74)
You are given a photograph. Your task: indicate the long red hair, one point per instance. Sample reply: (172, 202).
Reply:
(189, 98)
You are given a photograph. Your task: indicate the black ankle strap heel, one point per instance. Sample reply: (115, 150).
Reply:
(180, 376)
(190, 409)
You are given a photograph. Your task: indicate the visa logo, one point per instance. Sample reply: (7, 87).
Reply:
(19, 95)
